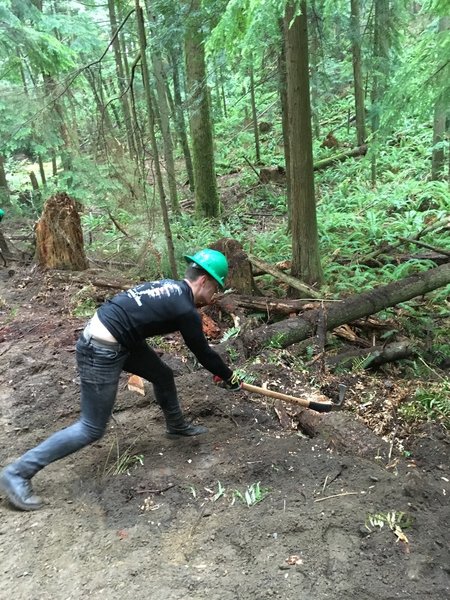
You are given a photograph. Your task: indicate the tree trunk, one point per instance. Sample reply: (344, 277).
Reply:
(107, 86)
(305, 247)
(239, 275)
(441, 113)
(42, 170)
(254, 114)
(151, 123)
(206, 197)
(294, 330)
(105, 126)
(60, 122)
(165, 123)
(121, 77)
(380, 72)
(54, 165)
(282, 87)
(355, 29)
(222, 89)
(314, 69)
(59, 238)
(34, 181)
(4, 188)
(179, 119)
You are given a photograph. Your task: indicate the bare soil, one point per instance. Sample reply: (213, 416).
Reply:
(171, 526)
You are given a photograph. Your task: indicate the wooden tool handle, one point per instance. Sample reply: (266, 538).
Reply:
(320, 406)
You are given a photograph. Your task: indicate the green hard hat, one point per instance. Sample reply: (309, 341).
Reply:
(211, 261)
(2, 214)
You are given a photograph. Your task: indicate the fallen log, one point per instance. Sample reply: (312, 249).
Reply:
(281, 306)
(290, 331)
(328, 162)
(288, 279)
(375, 356)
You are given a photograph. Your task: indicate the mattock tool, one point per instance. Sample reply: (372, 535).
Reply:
(317, 406)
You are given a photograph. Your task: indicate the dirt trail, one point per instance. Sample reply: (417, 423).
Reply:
(173, 527)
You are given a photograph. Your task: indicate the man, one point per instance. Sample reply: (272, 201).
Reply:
(114, 340)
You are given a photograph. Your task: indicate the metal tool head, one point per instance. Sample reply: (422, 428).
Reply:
(342, 390)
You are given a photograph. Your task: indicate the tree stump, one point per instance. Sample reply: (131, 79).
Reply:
(59, 238)
(240, 276)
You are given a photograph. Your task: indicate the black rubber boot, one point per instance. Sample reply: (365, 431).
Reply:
(18, 489)
(177, 426)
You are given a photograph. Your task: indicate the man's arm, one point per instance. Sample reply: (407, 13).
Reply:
(193, 335)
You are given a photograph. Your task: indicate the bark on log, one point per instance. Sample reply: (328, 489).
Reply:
(306, 290)
(290, 331)
(372, 357)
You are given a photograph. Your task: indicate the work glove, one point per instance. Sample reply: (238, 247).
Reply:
(233, 384)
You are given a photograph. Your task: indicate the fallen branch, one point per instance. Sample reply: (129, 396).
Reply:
(288, 279)
(385, 247)
(170, 486)
(336, 496)
(424, 245)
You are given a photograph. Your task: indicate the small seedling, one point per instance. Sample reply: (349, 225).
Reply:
(395, 520)
(252, 495)
(124, 461)
(233, 332)
(220, 492)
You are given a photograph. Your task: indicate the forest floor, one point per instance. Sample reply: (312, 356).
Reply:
(171, 525)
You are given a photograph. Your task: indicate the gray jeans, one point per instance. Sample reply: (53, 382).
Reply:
(100, 365)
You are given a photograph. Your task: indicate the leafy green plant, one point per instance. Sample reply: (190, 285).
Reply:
(214, 496)
(232, 353)
(230, 333)
(429, 403)
(397, 521)
(252, 495)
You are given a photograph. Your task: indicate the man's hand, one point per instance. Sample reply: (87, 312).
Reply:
(233, 384)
